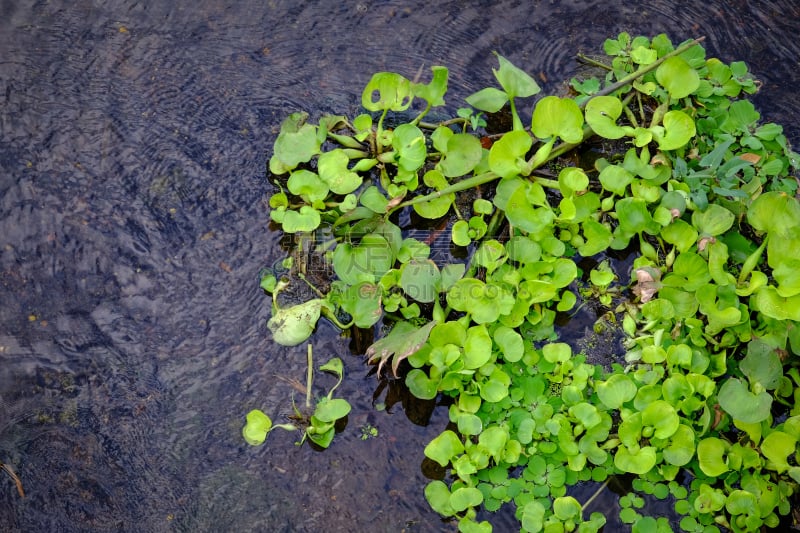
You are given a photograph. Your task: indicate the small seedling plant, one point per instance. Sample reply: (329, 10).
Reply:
(317, 425)
(686, 183)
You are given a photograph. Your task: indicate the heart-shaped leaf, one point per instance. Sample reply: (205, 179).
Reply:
(557, 117)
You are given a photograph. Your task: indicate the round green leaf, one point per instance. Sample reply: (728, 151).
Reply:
(774, 212)
(678, 130)
(307, 185)
(715, 220)
(616, 390)
(710, 454)
(438, 496)
(465, 497)
(566, 508)
(463, 153)
(677, 77)
(363, 302)
(444, 448)
(602, 113)
(421, 280)
(296, 143)
(506, 156)
(409, 143)
(533, 516)
(292, 325)
(332, 168)
(420, 385)
(305, 219)
(662, 417)
(616, 179)
(680, 449)
(331, 410)
(639, 462)
(737, 400)
(256, 428)
(477, 347)
(510, 343)
(387, 91)
(558, 117)
(777, 446)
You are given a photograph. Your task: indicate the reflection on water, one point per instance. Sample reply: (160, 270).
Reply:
(133, 140)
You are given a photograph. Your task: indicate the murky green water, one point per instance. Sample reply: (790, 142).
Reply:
(133, 225)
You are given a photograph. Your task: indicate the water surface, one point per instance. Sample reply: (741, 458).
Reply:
(133, 225)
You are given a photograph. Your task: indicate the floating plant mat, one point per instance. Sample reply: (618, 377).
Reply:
(700, 407)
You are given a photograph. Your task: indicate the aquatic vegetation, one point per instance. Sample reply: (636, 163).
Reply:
(702, 405)
(318, 425)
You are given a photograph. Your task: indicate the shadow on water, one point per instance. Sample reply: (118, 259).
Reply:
(133, 225)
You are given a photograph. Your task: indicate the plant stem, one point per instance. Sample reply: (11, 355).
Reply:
(589, 61)
(596, 494)
(309, 376)
(462, 185)
(644, 70)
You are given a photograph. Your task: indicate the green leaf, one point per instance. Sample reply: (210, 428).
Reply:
(768, 301)
(438, 496)
(420, 280)
(777, 446)
(489, 99)
(409, 143)
(616, 179)
(634, 217)
(715, 220)
(557, 352)
(598, 238)
(465, 497)
(517, 198)
(434, 91)
(420, 385)
(387, 91)
(532, 519)
(510, 343)
(373, 200)
(662, 417)
(256, 428)
(367, 261)
(680, 449)
(742, 502)
(485, 303)
(762, 364)
(305, 219)
(639, 462)
(462, 154)
(677, 77)
(307, 185)
(297, 143)
(506, 156)
(616, 390)
(401, 342)
(774, 212)
(363, 302)
(444, 448)
(678, 130)
(737, 400)
(332, 168)
(558, 117)
(602, 113)
(477, 347)
(515, 81)
(460, 233)
(292, 325)
(567, 508)
(331, 410)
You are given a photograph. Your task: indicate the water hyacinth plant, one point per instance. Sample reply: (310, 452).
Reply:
(677, 223)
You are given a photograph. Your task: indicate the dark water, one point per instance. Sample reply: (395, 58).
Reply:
(133, 140)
